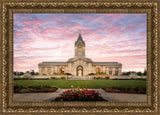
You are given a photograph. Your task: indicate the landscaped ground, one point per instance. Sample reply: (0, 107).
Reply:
(96, 84)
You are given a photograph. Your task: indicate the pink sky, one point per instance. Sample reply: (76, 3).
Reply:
(108, 38)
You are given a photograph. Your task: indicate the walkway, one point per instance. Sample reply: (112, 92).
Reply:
(47, 97)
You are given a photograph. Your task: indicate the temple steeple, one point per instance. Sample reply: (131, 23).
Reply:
(79, 46)
(79, 38)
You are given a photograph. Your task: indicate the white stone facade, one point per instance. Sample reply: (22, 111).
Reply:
(80, 65)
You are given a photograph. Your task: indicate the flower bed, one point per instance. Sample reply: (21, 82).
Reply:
(79, 95)
(124, 90)
(32, 89)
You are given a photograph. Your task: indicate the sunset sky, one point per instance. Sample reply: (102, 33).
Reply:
(51, 37)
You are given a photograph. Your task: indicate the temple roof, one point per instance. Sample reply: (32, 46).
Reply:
(79, 39)
(79, 58)
(52, 63)
(106, 63)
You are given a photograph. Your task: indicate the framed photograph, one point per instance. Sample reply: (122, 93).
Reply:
(74, 57)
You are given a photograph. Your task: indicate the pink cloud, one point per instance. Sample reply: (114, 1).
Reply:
(110, 42)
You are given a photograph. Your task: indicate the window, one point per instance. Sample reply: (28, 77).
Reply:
(98, 70)
(116, 71)
(110, 72)
(61, 70)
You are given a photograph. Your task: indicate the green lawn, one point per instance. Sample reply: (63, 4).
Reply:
(84, 83)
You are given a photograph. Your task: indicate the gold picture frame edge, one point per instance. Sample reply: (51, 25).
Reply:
(4, 73)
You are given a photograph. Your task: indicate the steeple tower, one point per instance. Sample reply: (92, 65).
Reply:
(80, 46)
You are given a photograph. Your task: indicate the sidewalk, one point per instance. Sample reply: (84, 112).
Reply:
(48, 97)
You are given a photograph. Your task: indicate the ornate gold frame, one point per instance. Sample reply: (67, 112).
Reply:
(8, 7)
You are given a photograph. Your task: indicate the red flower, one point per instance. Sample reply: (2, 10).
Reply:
(39, 83)
(24, 85)
(15, 84)
(27, 84)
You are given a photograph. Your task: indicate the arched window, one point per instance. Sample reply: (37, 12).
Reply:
(98, 70)
(49, 71)
(61, 70)
(110, 71)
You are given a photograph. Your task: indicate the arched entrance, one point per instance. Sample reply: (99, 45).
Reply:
(79, 71)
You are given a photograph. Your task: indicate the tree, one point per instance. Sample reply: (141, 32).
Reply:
(14, 72)
(21, 73)
(27, 72)
(36, 73)
(145, 72)
(139, 73)
(32, 72)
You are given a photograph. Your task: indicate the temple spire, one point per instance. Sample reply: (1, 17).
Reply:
(79, 38)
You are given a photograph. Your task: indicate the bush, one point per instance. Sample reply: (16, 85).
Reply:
(136, 89)
(124, 90)
(47, 86)
(107, 77)
(121, 88)
(38, 87)
(39, 78)
(91, 74)
(16, 87)
(63, 78)
(24, 78)
(101, 73)
(68, 73)
(53, 78)
(23, 90)
(142, 79)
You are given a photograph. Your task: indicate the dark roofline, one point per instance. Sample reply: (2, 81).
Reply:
(54, 62)
(105, 62)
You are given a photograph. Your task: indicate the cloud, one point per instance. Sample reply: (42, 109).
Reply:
(51, 37)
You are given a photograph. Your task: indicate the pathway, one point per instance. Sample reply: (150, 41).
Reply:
(47, 97)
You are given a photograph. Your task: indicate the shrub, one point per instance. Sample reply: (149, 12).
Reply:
(24, 78)
(107, 77)
(47, 86)
(121, 88)
(136, 89)
(53, 78)
(23, 90)
(16, 87)
(91, 74)
(124, 90)
(38, 87)
(68, 73)
(63, 78)
(132, 91)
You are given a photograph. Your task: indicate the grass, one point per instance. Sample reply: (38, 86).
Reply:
(84, 83)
